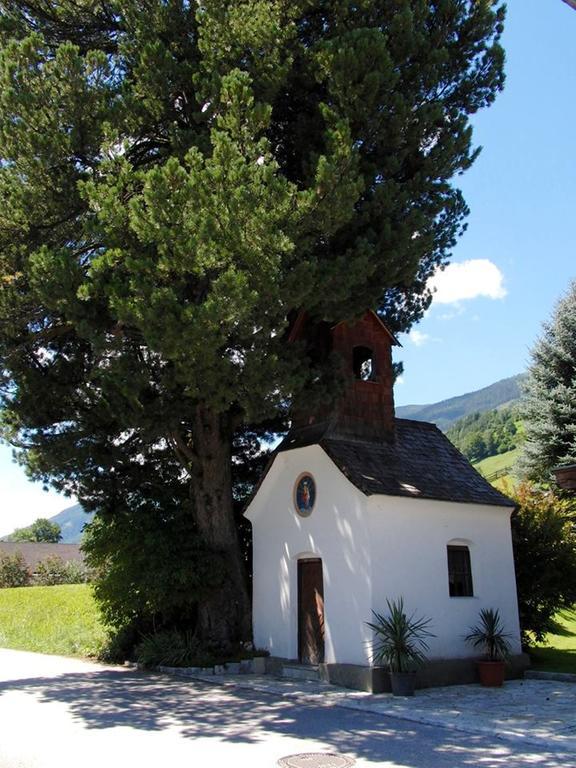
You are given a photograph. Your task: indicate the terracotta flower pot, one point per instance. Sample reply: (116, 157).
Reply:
(491, 673)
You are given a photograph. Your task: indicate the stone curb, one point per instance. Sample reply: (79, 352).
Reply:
(559, 677)
(253, 666)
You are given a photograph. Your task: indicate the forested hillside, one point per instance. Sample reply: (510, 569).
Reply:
(480, 435)
(447, 412)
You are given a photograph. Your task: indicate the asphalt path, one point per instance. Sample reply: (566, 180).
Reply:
(66, 713)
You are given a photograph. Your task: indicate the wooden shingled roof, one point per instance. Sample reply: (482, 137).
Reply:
(417, 462)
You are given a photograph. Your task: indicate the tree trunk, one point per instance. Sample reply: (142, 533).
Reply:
(224, 616)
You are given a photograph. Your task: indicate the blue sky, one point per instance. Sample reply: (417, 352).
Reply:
(514, 262)
(518, 254)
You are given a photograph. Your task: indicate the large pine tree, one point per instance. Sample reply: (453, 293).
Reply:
(549, 403)
(175, 178)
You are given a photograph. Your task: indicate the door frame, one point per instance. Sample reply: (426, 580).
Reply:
(299, 634)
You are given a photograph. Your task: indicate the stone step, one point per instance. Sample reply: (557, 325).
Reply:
(300, 671)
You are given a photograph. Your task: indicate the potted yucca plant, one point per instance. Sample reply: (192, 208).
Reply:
(400, 644)
(490, 636)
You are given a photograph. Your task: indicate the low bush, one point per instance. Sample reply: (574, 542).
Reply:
(172, 649)
(53, 570)
(544, 541)
(13, 571)
(119, 645)
(50, 572)
(77, 573)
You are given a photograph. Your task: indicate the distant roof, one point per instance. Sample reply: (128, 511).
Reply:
(419, 462)
(34, 552)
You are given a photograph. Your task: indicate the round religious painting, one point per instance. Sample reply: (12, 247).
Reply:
(304, 494)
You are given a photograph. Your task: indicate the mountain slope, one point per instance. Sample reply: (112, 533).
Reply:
(71, 521)
(446, 412)
(481, 435)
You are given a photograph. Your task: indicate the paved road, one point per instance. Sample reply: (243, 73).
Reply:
(66, 713)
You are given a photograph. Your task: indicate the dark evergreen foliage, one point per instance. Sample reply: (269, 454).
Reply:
(549, 403)
(174, 179)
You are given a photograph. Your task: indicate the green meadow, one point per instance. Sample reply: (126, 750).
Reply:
(558, 653)
(62, 619)
(498, 469)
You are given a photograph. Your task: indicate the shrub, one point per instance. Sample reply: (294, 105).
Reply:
(172, 649)
(50, 571)
(13, 570)
(545, 559)
(53, 570)
(119, 645)
(151, 569)
(77, 572)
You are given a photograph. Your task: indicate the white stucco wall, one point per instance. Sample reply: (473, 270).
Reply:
(409, 539)
(372, 548)
(336, 532)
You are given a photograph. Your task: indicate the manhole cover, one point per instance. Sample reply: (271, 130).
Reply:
(315, 760)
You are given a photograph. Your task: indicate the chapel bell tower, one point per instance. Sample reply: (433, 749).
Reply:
(365, 409)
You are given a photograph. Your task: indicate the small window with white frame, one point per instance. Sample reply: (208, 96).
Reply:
(459, 571)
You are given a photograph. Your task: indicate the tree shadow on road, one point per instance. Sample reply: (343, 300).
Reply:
(151, 702)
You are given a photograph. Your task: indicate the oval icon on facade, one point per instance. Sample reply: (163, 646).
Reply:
(304, 494)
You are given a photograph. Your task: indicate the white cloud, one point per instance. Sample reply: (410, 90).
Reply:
(418, 338)
(467, 280)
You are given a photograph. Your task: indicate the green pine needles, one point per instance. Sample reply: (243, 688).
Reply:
(549, 404)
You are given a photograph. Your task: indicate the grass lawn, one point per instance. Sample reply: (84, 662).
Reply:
(62, 619)
(495, 464)
(559, 654)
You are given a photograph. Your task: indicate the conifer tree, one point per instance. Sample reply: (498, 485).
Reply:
(176, 177)
(549, 403)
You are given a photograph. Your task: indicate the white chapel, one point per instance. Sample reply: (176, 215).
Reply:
(357, 507)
